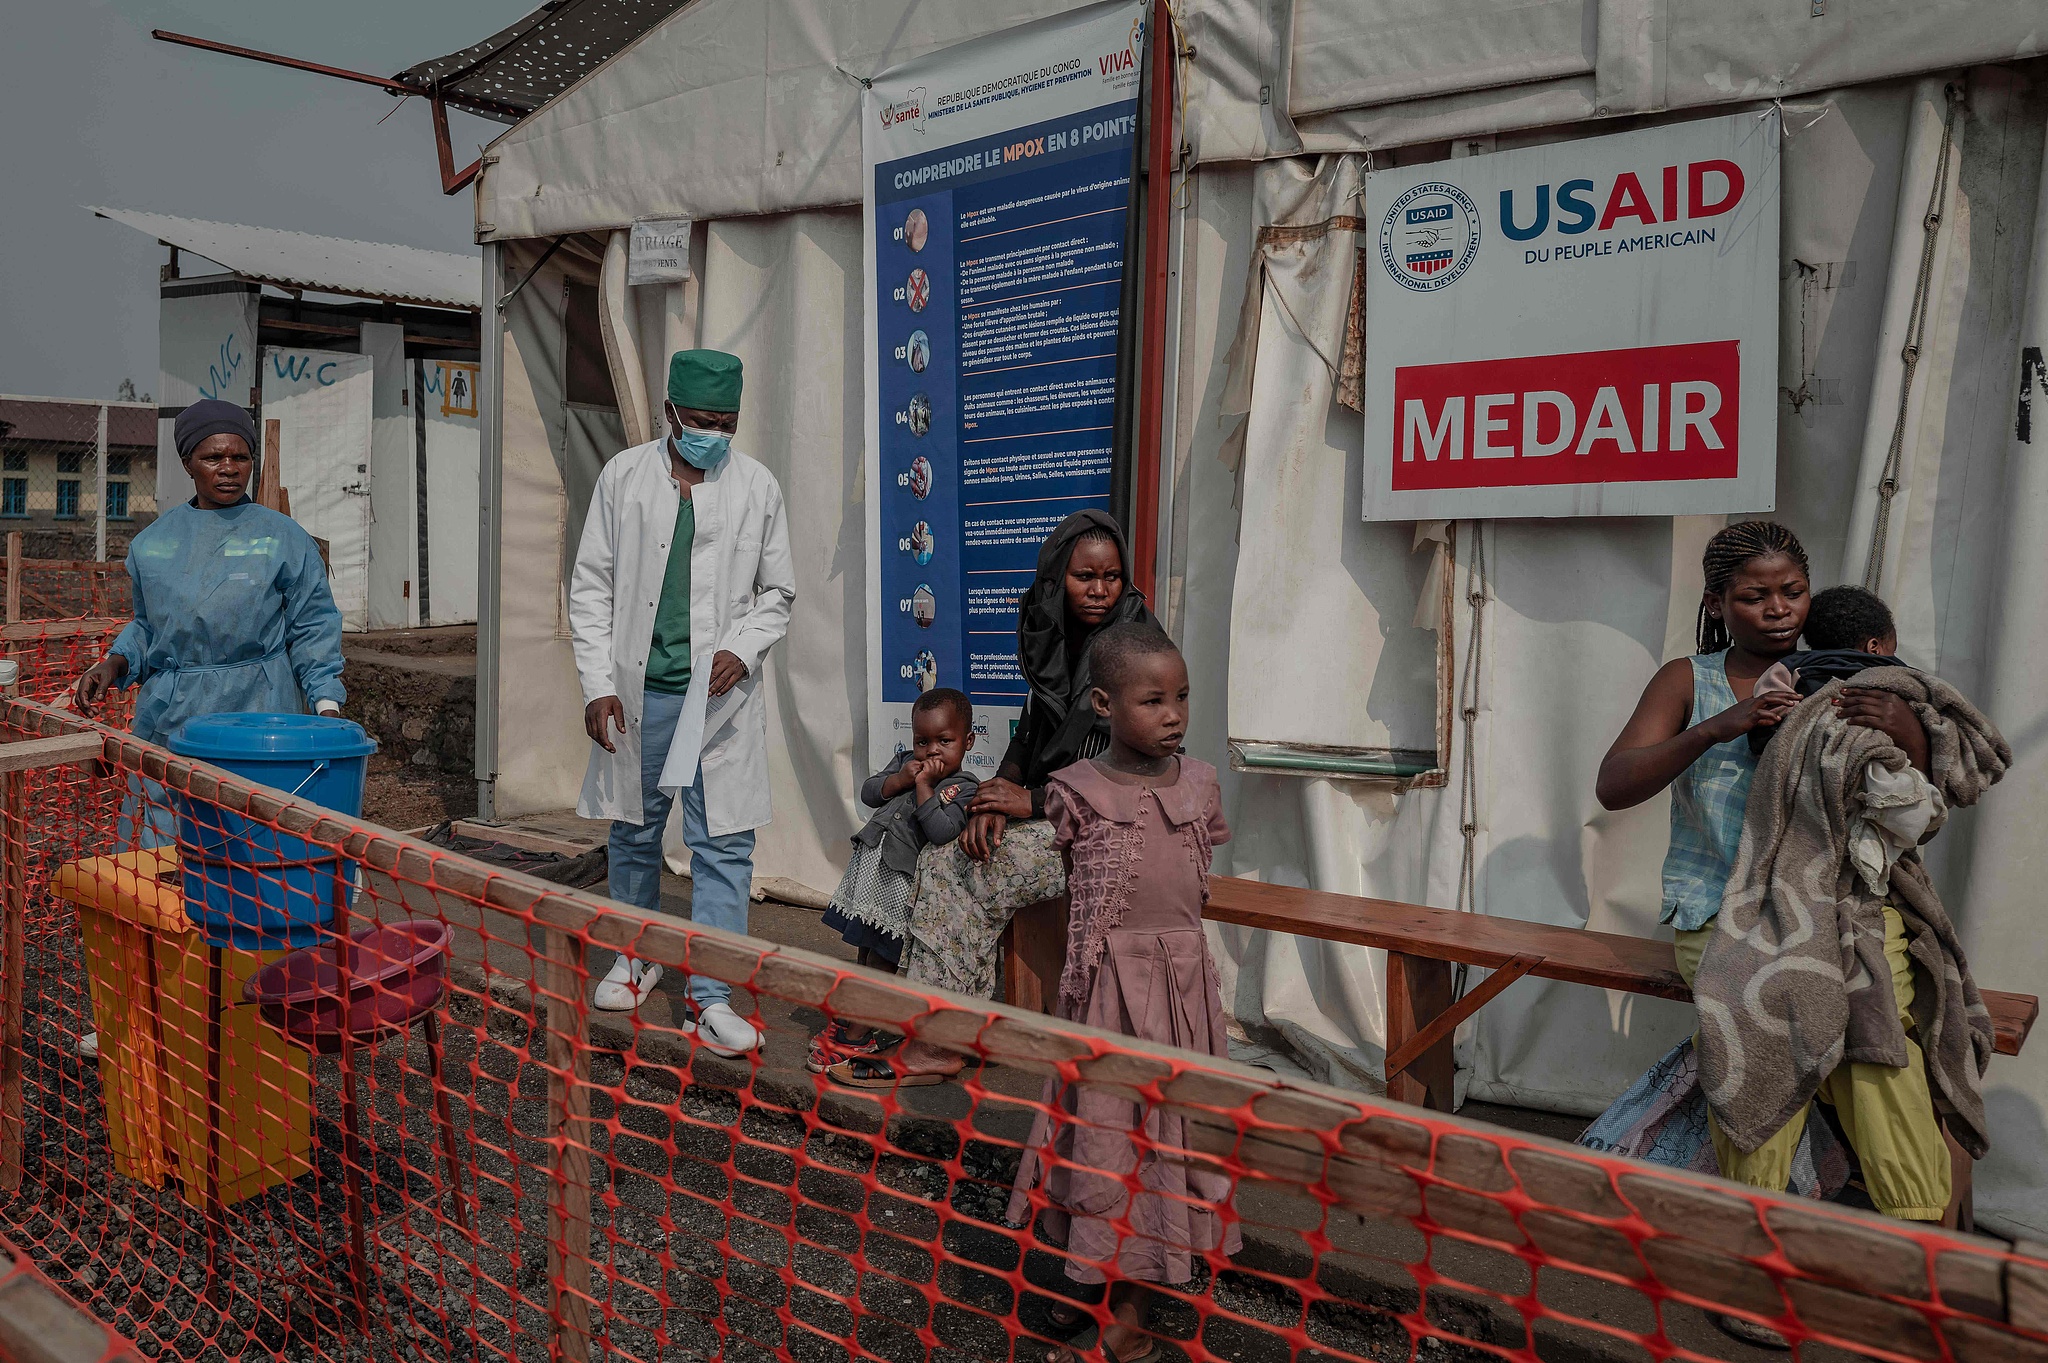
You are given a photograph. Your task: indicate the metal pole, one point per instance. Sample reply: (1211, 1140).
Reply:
(490, 108)
(490, 529)
(1158, 158)
(423, 612)
(99, 534)
(1173, 490)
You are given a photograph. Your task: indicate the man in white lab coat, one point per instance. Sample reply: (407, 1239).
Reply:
(683, 583)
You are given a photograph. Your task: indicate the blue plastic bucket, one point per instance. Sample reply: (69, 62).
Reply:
(248, 885)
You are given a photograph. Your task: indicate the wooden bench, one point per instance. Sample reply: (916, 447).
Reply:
(1424, 947)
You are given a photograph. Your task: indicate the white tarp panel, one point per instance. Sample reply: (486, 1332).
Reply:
(322, 402)
(1348, 54)
(448, 594)
(541, 745)
(735, 107)
(1577, 617)
(1236, 87)
(1716, 50)
(728, 108)
(2007, 857)
(1309, 464)
(206, 348)
(394, 495)
(1573, 618)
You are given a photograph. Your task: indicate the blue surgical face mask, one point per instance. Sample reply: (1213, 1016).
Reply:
(701, 449)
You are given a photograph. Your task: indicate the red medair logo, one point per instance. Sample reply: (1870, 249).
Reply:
(1652, 414)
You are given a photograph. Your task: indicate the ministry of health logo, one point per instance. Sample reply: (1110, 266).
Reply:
(1429, 237)
(909, 109)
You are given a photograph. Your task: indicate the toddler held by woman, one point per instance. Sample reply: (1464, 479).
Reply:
(1138, 825)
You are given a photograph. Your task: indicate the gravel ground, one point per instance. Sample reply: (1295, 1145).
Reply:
(737, 1210)
(725, 1224)
(398, 794)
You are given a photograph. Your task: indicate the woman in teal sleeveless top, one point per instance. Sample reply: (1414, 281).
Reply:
(1690, 733)
(1707, 802)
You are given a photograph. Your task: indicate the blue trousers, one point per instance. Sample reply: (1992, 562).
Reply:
(721, 869)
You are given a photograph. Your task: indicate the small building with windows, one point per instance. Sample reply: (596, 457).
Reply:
(50, 477)
(358, 363)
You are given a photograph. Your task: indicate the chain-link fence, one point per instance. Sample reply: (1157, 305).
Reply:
(77, 481)
(77, 478)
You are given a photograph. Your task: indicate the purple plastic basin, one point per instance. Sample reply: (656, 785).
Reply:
(396, 977)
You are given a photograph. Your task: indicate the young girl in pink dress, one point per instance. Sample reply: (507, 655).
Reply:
(1137, 825)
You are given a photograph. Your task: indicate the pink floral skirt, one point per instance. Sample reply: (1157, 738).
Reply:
(1115, 1176)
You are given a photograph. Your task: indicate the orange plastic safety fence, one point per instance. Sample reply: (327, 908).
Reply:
(52, 653)
(54, 590)
(470, 1162)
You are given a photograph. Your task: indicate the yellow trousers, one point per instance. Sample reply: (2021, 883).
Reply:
(1887, 1113)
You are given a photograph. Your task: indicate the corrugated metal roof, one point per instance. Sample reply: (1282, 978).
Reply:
(528, 64)
(75, 421)
(299, 260)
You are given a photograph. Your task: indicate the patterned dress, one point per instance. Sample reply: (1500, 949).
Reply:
(1137, 963)
(963, 905)
(871, 907)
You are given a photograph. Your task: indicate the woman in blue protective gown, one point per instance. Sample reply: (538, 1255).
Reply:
(232, 609)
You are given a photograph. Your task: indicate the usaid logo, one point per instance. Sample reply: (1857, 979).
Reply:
(909, 109)
(1429, 237)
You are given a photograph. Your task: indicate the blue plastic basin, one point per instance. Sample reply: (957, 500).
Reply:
(248, 885)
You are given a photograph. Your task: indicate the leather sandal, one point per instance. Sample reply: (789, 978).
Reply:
(873, 1072)
(1091, 1349)
(830, 1046)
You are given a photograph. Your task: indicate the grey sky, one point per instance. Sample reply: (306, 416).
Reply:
(95, 111)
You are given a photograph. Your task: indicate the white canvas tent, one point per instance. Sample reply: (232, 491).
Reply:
(1507, 653)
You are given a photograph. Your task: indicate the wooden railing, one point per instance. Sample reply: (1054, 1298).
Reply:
(1424, 947)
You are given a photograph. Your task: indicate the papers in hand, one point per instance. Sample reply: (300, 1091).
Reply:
(715, 705)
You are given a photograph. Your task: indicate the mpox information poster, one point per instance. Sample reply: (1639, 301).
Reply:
(998, 179)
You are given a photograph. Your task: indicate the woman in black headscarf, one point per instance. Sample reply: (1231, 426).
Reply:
(968, 891)
(1082, 587)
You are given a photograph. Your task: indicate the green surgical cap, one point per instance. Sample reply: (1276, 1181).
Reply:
(708, 380)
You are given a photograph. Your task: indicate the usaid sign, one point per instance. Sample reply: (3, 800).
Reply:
(1583, 329)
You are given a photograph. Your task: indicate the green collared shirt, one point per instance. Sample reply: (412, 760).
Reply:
(668, 656)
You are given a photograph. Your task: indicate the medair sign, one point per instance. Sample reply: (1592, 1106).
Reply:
(1583, 329)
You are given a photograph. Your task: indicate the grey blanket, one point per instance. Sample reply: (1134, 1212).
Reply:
(1795, 982)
